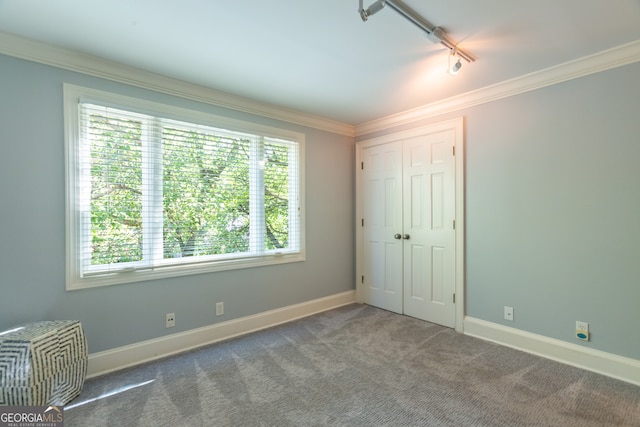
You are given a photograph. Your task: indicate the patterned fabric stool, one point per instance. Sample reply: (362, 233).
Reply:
(42, 363)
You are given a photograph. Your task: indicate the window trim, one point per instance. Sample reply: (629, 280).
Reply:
(72, 96)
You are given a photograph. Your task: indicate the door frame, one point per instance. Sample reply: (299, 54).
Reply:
(457, 125)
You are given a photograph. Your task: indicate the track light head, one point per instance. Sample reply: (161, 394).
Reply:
(454, 63)
(372, 10)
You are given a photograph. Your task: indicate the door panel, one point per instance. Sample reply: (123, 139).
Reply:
(438, 275)
(418, 271)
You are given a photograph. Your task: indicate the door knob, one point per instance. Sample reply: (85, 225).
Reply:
(406, 236)
(397, 236)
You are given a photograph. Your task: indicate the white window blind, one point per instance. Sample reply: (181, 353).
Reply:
(154, 196)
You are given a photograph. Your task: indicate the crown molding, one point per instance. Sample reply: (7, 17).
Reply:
(23, 48)
(601, 61)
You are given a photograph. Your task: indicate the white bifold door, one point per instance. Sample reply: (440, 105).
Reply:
(408, 229)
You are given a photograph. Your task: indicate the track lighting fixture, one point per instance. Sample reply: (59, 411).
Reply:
(454, 63)
(371, 10)
(435, 34)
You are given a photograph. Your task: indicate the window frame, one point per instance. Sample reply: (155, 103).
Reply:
(72, 97)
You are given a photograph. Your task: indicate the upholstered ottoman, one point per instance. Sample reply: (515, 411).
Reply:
(42, 363)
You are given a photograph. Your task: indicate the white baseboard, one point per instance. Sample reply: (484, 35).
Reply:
(122, 357)
(612, 365)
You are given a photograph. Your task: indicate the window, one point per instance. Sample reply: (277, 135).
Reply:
(157, 191)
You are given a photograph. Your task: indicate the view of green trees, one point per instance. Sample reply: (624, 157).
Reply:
(204, 180)
(116, 190)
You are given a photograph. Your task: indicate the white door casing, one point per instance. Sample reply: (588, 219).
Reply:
(432, 226)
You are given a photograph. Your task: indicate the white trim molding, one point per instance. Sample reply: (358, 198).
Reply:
(145, 351)
(591, 64)
(31, 50)
(612, 365)
(43, 53)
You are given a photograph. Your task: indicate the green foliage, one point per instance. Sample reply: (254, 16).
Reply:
(205, 191)
(205, 194)
(116, 190)
(276, 196)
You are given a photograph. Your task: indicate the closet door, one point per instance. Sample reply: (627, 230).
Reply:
(428, 213)
(382, 225)
(408, 199)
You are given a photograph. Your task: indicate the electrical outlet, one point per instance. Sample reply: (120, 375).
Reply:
(170, 320)
(219, 308)
(582, 330)
(508, 313)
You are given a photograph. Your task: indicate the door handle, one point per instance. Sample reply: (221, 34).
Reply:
(406, 236)
(397, 236)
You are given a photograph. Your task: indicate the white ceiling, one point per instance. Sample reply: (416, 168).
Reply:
(318, 57)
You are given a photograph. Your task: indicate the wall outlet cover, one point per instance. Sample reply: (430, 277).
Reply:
(508, 313)
(170, 320)
(582, 331)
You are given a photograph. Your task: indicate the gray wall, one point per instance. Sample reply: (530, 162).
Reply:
(552, 208)
(32, 219)
(552, 201)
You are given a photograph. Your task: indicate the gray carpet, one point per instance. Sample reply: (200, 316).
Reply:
(355, 366)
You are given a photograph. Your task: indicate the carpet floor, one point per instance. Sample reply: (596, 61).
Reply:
(355, 366)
